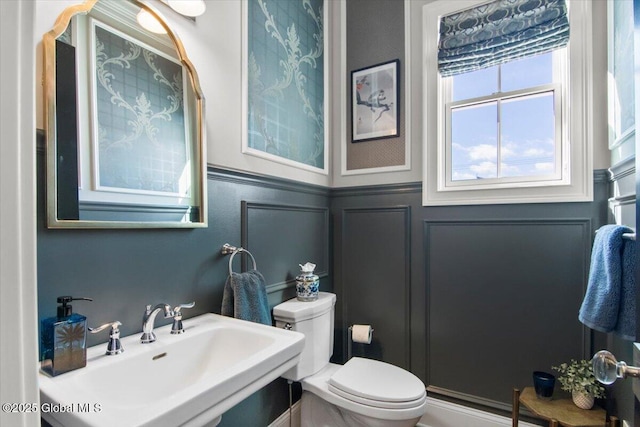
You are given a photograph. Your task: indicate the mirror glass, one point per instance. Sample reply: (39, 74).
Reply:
(124, 122)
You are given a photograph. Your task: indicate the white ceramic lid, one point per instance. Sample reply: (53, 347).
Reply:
(296, 311)
(371, 381)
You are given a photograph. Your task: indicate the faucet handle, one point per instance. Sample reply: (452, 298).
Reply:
(181, 306)
(177, 327)
(113, 346)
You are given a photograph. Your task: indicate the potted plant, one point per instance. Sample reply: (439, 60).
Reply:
(577, 377)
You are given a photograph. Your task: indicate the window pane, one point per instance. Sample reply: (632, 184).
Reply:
(528, 72)
(475, 84)
(528, 136)
(474, 148)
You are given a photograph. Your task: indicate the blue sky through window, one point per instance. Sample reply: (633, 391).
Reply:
(474, 144)
(513, 137)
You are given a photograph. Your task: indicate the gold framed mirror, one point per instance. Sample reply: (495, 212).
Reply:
(124, 126)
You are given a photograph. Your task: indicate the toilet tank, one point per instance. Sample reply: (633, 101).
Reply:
(315, 320)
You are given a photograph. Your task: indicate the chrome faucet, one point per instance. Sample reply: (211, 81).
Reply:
(177, 327)
(114, 346)
(148, 320)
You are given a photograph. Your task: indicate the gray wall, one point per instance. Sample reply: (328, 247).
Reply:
(282, 223)
(470, 298)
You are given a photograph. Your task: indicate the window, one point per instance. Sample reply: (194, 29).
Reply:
(503, 124)
(507, 132)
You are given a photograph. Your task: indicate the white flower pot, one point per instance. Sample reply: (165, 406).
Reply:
(582, 400)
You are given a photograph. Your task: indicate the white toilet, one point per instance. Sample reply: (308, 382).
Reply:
(362, 392)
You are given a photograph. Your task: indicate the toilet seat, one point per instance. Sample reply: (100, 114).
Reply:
(378, 384)
(375, 407)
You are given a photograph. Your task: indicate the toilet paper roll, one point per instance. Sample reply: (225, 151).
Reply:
(361, 333)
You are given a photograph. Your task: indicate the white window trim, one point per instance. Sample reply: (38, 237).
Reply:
(579, 187)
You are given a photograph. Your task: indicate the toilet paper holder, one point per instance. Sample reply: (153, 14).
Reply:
(350, 338)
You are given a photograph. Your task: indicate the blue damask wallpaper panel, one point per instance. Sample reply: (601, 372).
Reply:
(623, 71)
(286, 79)
(142, 144)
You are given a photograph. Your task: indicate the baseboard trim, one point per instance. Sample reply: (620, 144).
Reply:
(293, 415)
(440, 413)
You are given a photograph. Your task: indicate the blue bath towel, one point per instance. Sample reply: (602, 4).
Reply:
(245, 297)
(609, 304)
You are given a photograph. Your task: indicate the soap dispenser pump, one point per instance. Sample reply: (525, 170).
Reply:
(63, 345)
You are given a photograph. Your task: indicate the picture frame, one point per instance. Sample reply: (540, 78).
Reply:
(375, 102)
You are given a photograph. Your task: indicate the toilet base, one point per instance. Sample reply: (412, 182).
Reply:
(316, 412)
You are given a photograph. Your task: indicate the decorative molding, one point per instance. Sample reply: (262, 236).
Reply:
(280, 286)
(584, 222)
(585, 231)
(248, 178)
(377, 190)
(629, 199)
(244, 231)
(441, 392)
(623, 191)
(406, 210)
(626, 136)
(623, 168)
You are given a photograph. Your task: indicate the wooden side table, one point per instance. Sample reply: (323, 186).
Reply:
(559, 412)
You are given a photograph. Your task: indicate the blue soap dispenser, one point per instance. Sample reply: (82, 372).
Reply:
(63, 345)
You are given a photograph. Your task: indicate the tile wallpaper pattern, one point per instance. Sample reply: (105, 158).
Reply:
(140, 113)
(286, 79)
(622, 55)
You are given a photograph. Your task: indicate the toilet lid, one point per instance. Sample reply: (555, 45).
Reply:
(377, 383)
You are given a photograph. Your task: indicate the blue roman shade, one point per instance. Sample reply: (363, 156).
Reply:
(500, 31)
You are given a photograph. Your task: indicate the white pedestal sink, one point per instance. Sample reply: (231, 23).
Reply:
(187, 380)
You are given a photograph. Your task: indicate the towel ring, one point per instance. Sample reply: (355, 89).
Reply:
(228, 249)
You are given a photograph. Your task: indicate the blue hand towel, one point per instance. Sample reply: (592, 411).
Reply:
(245, 297)
(626, 325)
(606, 294)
